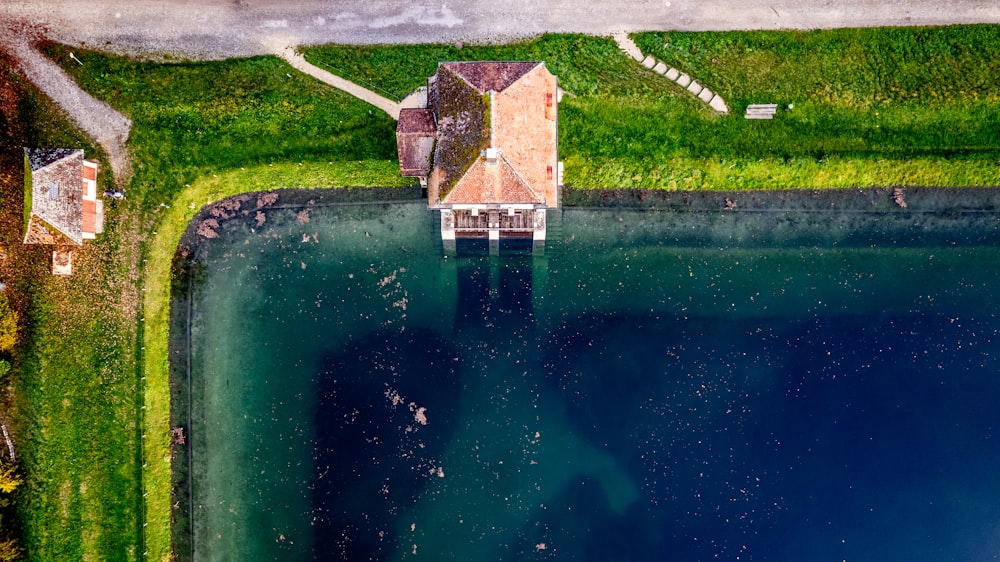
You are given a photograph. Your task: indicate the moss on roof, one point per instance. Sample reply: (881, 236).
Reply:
(463, 127)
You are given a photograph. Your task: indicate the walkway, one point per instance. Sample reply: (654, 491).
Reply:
(109, 128)
(299, 62)
(691, 85)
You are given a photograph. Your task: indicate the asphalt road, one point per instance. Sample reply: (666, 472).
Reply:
(221, 28)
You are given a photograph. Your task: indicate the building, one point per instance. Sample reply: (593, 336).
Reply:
(61, 204)
(486, 148)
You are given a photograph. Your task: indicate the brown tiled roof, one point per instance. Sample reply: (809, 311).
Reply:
(415, 135)
(412, 120)
(486, 76)
(508, 106)
(463, 128)
(487, 183)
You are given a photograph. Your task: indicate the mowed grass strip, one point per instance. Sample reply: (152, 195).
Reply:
(156, 307)
(919, 100)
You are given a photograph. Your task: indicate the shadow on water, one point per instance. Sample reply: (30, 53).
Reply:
(375, 449)
(772, 432)
(494, 299)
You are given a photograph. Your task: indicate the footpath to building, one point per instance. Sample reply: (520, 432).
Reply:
(300, 63)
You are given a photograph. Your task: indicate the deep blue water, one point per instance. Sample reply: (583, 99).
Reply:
(658, 386)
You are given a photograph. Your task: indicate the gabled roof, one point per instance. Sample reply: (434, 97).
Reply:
(489, 76)
(417, 121)
(488, 183)
(56, 182)
(39, 158)
(506, 108)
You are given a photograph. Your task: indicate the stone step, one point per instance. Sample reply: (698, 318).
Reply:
(718, 104)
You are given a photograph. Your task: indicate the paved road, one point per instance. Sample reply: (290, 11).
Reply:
(219, 28)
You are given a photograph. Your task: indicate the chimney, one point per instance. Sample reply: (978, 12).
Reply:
(491, 156)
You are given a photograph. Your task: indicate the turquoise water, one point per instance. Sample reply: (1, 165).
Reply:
(658, 386)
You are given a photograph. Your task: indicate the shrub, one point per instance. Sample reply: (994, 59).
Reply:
(8, 325)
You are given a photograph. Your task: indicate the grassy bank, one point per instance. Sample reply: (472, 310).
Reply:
(73, 403)
(156, 306)
(193, 119)
(870, 107)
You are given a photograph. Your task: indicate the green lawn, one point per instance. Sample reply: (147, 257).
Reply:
(190, 119)
(870, 106)
(867, 111)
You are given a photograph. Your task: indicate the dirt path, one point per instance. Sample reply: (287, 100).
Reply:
(109, 128)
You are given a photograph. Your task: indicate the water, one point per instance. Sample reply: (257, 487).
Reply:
(659, 386)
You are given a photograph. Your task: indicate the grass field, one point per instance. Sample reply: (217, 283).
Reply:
(870, 107)
(868, 110)
(75, 401)
(190, 119)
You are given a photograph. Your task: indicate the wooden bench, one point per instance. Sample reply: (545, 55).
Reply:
(761, 111)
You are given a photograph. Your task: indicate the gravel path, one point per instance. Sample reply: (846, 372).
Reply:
(223, 28)
(100, 121)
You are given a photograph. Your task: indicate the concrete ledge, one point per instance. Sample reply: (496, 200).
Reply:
(649, 61)
(660, 68)
(694, 87)
(673, 73)
(706, 95)
(684, 80)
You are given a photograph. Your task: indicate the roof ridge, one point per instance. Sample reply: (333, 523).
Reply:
(520, 178)
(496, 81)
